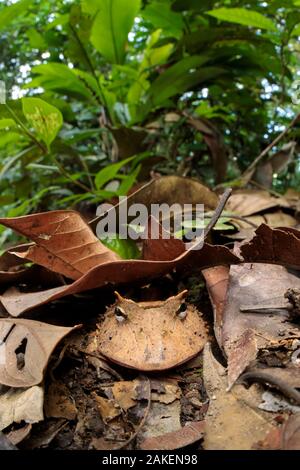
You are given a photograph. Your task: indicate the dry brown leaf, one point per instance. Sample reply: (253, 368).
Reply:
(18, 435)
(274, 220)
(247, 202)
(25, 349)
(290, 433)
(107, 408)
(118, 272)
(215, 142)
(64, 243)
(58, 403)
(278, 246)
(164, 248)
(187, 435)
(217, 281)
(251, 319)
(21, 405)
(233, 420)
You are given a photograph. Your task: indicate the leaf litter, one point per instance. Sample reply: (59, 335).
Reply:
(89, 380)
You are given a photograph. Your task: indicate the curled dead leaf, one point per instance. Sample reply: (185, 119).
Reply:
(25, 349)
(64, 243)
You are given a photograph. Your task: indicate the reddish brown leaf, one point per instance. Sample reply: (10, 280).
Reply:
(64, 243)
(187, 435)
(119, 272)
(217, 280)
(164, 248)
(278, 246)
(35, 342)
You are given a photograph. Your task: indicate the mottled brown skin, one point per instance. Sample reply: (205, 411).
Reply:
(151, 336)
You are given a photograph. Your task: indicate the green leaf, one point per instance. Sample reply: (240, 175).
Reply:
(161, 16)
(244, 17)
(113, 22)
(6, 123)
(36, 39)
(126, 249)
(180, 77)
(12, 12)
(56, 76)
(43, 117)
(109, 172)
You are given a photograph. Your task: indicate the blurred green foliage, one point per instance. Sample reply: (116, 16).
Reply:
(100, 91)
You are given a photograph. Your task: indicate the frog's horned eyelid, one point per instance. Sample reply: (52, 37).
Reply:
(119, 297)
(182, 295)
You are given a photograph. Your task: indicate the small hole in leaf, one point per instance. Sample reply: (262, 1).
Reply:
(20, 353)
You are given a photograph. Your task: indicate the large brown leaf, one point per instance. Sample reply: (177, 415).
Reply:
(26, 346)
(120, 272)
(64, 243)
(233, 420)
(254, 316)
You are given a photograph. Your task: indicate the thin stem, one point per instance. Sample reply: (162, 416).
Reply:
(246, 176)
(25, 130)
(91, 68)
(69, 177)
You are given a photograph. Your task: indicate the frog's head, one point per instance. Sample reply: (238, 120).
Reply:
(124, 308)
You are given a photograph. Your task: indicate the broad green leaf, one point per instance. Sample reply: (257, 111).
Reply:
(296, 31)
(43, 117)
(152, 56)
(113, 22)
(161, 16)
(8, 137)
(128, 182)
(126, 249)
(109, 172)
(244, 17)
(56, 76)
(181, 77)
(12, 12)
(6, 123)
(36, 39)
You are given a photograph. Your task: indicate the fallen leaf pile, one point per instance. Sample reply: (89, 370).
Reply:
(85, 384)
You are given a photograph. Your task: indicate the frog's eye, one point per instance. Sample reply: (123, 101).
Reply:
(120, 314)
(182, 311)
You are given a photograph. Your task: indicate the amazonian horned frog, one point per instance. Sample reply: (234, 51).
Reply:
(150, 336)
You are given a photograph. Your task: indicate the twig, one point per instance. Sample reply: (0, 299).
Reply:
(248, 173)
(265, 377)
(216, 215)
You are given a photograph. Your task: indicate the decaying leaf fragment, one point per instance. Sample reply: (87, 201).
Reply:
(278, 246)
(25, 349)
(187, 435)
(255, 314)
(21, 405)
